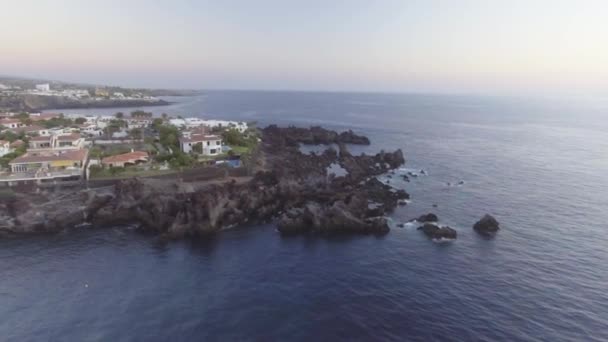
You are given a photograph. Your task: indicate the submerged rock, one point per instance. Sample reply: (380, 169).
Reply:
(487, 225)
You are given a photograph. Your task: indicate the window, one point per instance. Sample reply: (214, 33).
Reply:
(217, 142)
(208, 143)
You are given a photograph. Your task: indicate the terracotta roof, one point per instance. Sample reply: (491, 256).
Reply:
(42, 138)
(126, 157)
(199, 130)
(28, 129)
(44, 116)
(68, 137)
(39, 157)
(199, 138)
(9, 121)
(17, 143)
(3, 142)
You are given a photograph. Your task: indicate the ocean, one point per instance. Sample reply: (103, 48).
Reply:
(540, 166)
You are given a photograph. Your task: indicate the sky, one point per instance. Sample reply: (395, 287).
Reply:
(437, 46)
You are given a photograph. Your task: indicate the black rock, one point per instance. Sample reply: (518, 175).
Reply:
(488, 225)
(435, 232)
(430, 217)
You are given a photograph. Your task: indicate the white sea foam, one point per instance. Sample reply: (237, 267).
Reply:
(443, 240)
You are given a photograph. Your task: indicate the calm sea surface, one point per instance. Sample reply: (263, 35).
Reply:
(540, 166)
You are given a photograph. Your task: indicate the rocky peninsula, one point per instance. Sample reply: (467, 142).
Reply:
(32, 103)
(293, 189)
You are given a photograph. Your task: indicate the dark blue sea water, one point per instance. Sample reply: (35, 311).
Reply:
(540, 166)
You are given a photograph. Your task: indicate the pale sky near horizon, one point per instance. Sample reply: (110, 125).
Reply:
(487, 46)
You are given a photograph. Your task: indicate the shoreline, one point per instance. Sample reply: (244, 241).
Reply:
(301, 195)
(33, 103)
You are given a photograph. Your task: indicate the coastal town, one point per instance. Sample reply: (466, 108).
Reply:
(53, 148)
(75, 93)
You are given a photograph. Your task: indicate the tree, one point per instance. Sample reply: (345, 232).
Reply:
(141, 114)
(156, 123)
(9, 136)
(168, 137)
(119, 115)
(136, 133)
(234, 137)
(165, 116)
(22, 116)
(198, 148)
(80, 121)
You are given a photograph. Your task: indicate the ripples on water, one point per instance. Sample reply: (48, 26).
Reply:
(542, 171)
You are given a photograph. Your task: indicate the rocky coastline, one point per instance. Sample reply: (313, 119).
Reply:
(291, 188)
(28, 103)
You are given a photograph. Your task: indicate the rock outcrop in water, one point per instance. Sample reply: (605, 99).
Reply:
(430, 217)
(437, 233)
(290, 186)
(487, 225)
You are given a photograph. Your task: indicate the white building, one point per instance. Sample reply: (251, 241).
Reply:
(197, 122)
(43, 87)
(11, 123)
(207, 145)
(57, 142)
(5, 148)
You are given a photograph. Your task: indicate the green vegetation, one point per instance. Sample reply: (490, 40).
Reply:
(56, 122)
(10, 136)
(177, 160)
(241, 143)
(80, 121)
(102, 151)
(156, 123)
(169, 137)
(4, 160)
(141, 114)
(136, 133)
(114, 126)
(119, 115)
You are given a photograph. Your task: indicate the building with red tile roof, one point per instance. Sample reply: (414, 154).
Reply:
(125, 159)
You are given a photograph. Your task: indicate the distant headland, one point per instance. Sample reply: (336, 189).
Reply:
(31, 95)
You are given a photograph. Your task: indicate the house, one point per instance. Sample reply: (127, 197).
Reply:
(205, 144)
(91, 129)
(41, 142)
(17, 143)
(11, 123)
(69, 141)
(122, 160)
(138, 123)
(5, 148)
(32, 130)
(49, 164)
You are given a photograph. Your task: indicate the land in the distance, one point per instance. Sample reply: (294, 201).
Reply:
(28, 95)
